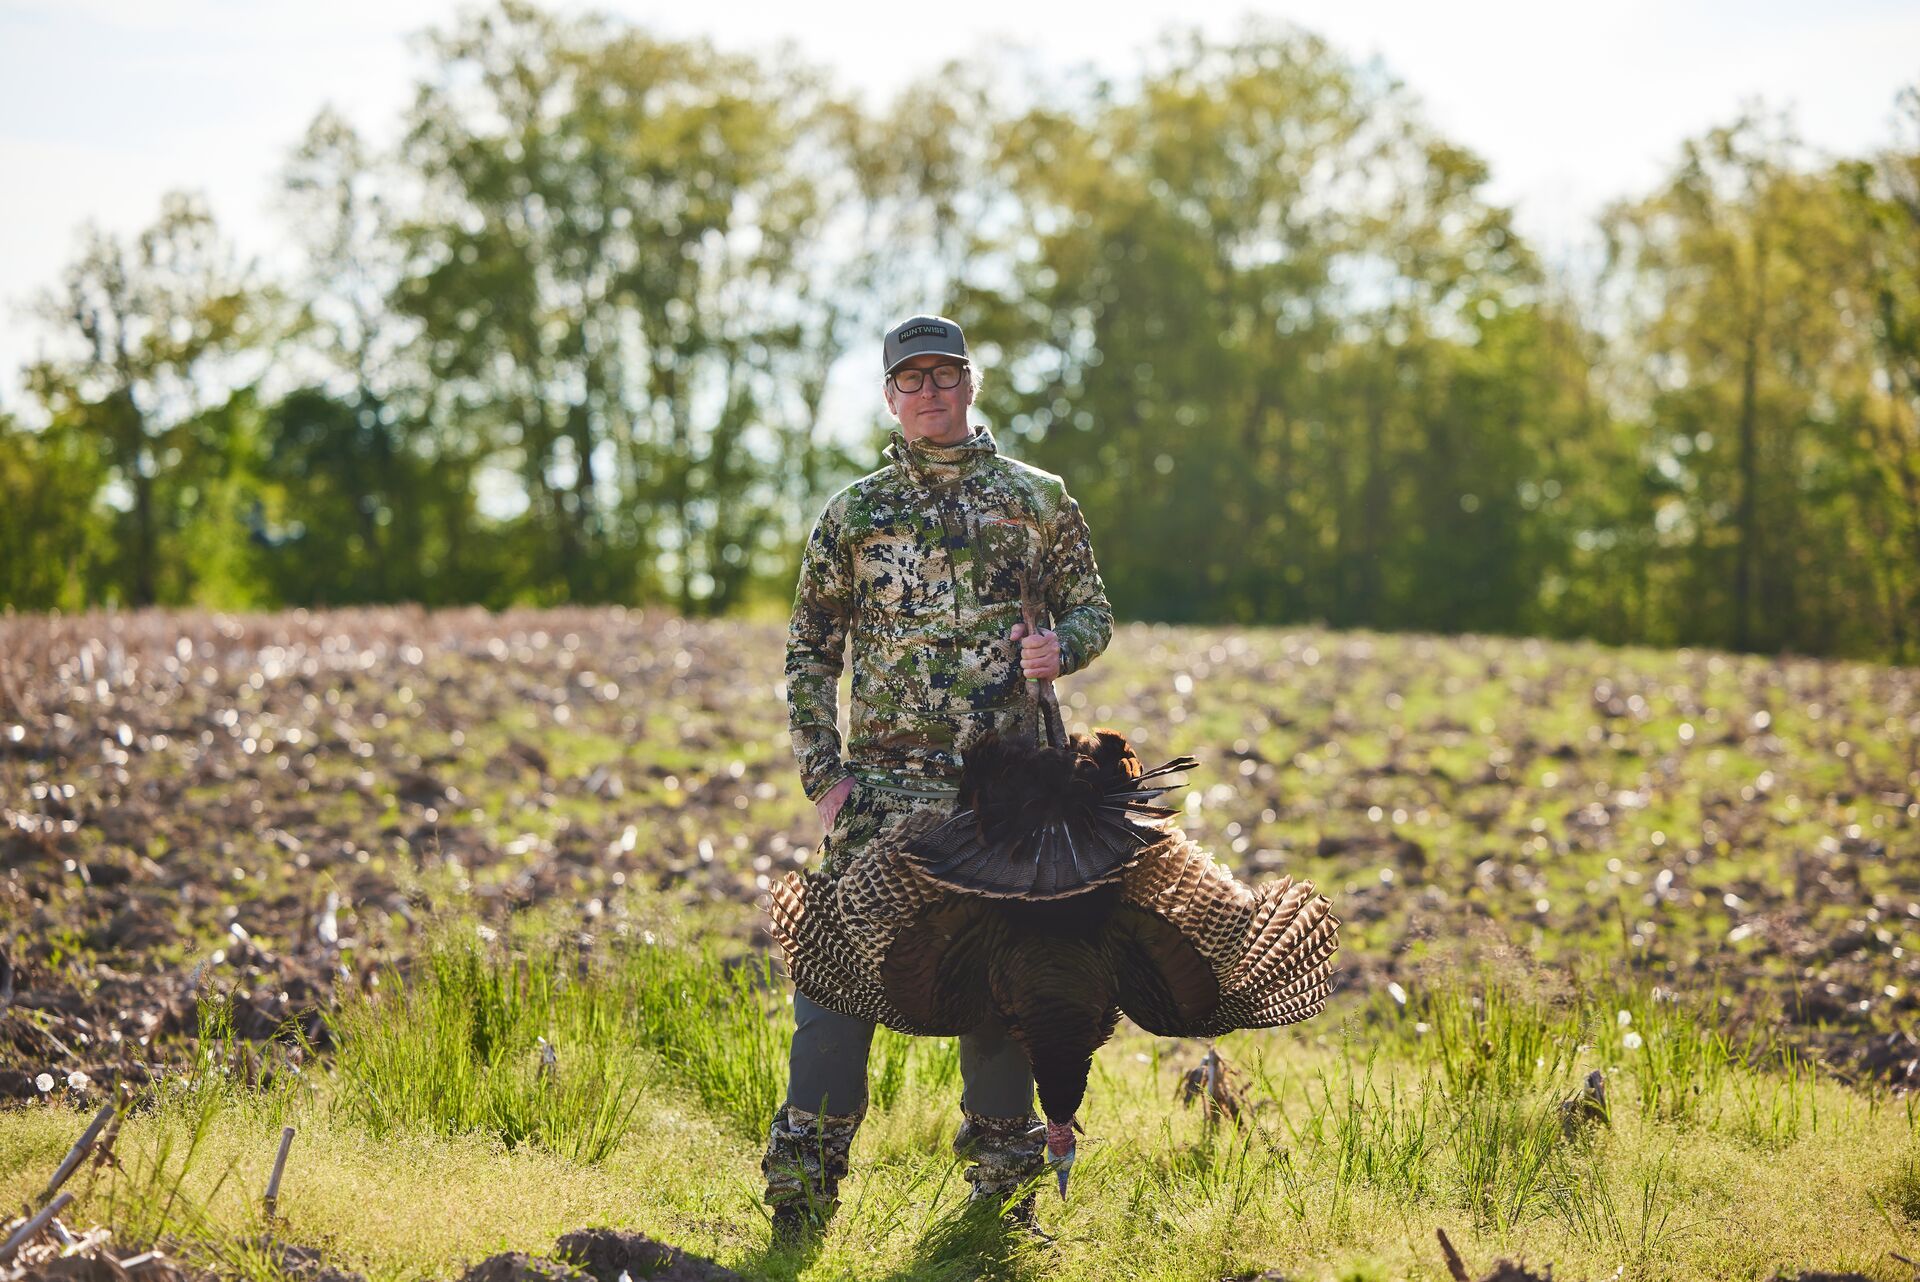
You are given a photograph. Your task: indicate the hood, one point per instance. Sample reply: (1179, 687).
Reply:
(937, 466)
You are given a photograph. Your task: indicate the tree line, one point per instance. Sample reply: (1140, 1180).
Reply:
(571, 338)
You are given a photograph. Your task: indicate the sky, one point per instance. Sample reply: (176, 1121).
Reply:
(107, 104)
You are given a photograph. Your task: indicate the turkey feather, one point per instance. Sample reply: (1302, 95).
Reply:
(1055, 898)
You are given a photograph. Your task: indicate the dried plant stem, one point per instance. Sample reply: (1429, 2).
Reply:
(78, 1151)
(31, 1229)
(279, 1169)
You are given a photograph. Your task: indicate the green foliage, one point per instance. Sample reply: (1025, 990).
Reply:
(720, 1028)
(571, 341)
(546, 1046)
(53, 541)
(923, 1063)
(1386, 1137)
(1771, 1110)
(1325, 390)
(1588, 1200)
(1337, 1157)
(528, 1048)
(141, 326)
(618, 277)
(1674, 1052)
(1503, 1147)
(1748, 289)
(165, 1192)
(1490, 1040)
(1903, 1185)
(965, 1240)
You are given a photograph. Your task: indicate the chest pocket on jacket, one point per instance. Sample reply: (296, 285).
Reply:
(900, 574)
(1005, 549)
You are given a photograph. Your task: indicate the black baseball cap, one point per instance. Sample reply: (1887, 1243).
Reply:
(922, 336)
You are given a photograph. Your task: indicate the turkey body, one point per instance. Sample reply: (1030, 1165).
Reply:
(1050, 979)
(1055, 906)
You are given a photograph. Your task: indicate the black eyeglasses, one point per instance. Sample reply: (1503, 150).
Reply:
(945, 377)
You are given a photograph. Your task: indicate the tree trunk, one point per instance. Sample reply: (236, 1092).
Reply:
(1373, 512)
(134, 455)
(1747, 521)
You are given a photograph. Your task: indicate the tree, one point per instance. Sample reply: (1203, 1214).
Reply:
(1883, 201)
(368, 458)
(52, 537)
(1266, 319)
(612, 272)
(146, 327)
(1729, 274)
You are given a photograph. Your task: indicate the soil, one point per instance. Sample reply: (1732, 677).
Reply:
(273, 807)
(269, 808)
(583, 1255)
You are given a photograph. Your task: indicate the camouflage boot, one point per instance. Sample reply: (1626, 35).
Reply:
(1005, 1153)
(805, 1161)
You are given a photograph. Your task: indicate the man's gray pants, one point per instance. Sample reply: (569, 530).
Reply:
(827, 1070)
(812, 1132)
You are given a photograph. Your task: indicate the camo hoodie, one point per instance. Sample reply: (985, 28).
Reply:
(920, 562)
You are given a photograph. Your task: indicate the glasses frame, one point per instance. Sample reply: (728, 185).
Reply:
(922, 376)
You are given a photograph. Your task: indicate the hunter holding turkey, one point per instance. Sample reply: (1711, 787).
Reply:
(932, 565)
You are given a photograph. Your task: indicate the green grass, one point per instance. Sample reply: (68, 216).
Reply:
(501, 1045)
(549, 1046)
(1519, 930)
(1902, 1187)
(437, 1136)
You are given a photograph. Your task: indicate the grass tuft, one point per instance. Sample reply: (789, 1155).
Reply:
(1503, 1148)
(1487, 1039)
(721, 1030)
(1636, 1228)
(925, 1063)
(1902, 1191)
(970, 1240)
(529, 1047)
(1677, 1058)
(550, 1047)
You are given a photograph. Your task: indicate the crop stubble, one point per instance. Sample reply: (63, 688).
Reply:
(183, 795)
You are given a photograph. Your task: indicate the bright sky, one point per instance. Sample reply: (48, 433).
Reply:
(105, 104)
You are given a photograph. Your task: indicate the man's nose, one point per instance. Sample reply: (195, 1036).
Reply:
(927, 387)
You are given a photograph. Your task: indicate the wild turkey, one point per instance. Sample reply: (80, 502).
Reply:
(1057, 897)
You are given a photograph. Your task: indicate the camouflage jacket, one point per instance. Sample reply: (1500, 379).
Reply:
(921, 563)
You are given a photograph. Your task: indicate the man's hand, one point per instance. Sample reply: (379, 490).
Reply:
(1039, 653)
(831, 800)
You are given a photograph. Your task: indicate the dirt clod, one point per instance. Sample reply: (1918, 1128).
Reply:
(305, 1264)
(518, 1266)
(78, 1268)
(1509, 1271)
(607, 1253)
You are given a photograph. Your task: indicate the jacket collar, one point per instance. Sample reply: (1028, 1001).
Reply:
(939, 466)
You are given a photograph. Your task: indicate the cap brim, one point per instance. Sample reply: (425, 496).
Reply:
(925, 351)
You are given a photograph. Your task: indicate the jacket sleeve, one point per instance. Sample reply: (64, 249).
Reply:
(816, 652)
(1076, 597)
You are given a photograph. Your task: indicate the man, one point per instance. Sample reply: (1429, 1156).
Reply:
(925, 564)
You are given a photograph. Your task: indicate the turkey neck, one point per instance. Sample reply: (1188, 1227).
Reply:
(1054, 990)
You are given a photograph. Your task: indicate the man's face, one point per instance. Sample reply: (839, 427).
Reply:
(937, 414)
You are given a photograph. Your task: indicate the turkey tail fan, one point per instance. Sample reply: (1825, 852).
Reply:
(1171, 767)
(1038, 822)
